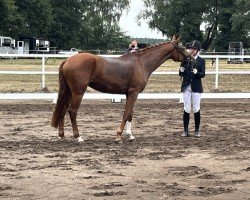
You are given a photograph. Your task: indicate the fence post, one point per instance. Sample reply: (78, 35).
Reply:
(43, 72)
(217, 72)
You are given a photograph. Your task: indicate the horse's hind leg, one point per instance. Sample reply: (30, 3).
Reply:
(73, 109)
(61, 122)
(61, 129)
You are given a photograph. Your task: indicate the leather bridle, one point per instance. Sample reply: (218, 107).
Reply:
(182, 50)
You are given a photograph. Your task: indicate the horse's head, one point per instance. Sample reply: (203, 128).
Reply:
(180, 53)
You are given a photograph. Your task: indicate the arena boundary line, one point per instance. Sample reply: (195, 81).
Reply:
(119, 97)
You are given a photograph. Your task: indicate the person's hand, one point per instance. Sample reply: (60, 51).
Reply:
(182, 69)
(195, 71)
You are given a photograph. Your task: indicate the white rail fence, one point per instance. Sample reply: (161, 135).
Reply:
(117, 98)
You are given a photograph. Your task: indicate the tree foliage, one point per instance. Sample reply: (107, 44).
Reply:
(85, 24)
(9, 18)
(93, 24)
(35, 17)
(223, 20)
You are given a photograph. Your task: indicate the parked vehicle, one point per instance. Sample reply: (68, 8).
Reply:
(246, 52)
(71, 51)
(32, 45)
(235, 49)
(25, 45)
(7, 44)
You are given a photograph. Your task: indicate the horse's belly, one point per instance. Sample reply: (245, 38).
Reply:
(108, 88)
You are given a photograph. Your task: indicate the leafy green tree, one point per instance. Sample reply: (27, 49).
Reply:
(222, 20)
(90, 24)
(86, 24)
(66, 25)
(181, 17)
(36, 17)
(241, 22)
(104, 15)
(9, 18)
(230, 19)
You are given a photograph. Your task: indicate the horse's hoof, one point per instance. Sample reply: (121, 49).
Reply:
(79, 139)
(131, 138)
(62, 138)
(118, 140)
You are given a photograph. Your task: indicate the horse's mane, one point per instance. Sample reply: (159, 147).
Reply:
(149, 47)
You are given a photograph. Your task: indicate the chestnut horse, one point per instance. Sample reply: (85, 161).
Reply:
(127, 75)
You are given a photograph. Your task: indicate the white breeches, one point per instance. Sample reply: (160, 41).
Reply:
(189, 98)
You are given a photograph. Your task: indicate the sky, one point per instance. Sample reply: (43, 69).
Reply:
(128, 23)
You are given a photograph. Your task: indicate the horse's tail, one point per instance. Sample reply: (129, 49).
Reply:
(63, 100)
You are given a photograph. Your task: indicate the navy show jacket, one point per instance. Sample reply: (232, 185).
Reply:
(190, 78)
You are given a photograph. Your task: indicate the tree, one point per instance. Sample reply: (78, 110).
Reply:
(181, 17)
(240, 22)
(26, 17)
(231, 24)
(36, 17)
(66, 24)
(85, 24)
(221, 19)
(9, 17)
(106, 33)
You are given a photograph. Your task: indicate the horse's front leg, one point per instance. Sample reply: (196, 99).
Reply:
(129, 130)
(127, 117)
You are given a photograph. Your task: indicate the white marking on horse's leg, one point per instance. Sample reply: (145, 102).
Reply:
(79, 139)
(129, 131)
(129, 125)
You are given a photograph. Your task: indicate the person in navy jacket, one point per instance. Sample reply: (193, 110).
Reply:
(192, 72)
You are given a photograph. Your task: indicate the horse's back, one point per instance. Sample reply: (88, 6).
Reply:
(81, 59)
(83, 63)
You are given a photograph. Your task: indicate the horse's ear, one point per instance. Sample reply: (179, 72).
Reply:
(173, 38)
(178, 39)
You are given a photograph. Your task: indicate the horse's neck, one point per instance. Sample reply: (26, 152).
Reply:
(152, 58)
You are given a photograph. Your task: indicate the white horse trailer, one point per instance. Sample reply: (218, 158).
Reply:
(7, 45)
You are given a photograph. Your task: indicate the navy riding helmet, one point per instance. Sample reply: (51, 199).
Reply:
(194, 45)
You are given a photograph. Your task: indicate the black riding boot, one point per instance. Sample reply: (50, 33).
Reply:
(197, 120)
(185, 123)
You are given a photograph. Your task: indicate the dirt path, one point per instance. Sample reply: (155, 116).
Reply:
(161, 164)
